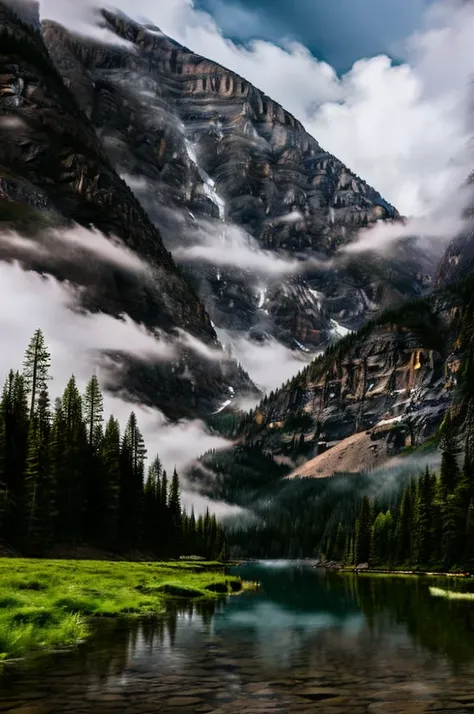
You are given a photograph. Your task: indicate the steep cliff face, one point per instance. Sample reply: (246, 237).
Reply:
(458, 260)
(398, 374)
(207, 153)
(54, 172)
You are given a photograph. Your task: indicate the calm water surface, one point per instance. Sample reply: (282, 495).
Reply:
(310, 641)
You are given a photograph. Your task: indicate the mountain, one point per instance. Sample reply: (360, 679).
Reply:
(376, 392)
(55, 174)
(251, 206)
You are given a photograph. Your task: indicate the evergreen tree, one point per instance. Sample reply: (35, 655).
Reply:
(70, 450)
(174, 506)
(93, 408)
(422, 518)
(363, 532)
(36, 368)
(449, 472)
(380, 544)
(150, 510)
(156, 529)
(14, 410)
(132, 460)
(96, 490)
(38, 492)
(109, 490)
(166, 545)
(403, 528)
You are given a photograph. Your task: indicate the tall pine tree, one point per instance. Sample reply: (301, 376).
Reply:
(132, 465)
(70, 447)
(36, 368)
(93, 408)
(38, 491)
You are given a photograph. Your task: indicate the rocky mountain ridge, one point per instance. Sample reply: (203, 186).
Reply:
(112, 136)
(225, 172)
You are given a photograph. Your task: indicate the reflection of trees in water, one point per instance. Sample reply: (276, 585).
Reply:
(116, 642)
(116, 646)
(441, 626)
(163, 630)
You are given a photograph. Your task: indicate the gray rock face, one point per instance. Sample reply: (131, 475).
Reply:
(209, 155)
(399, 375)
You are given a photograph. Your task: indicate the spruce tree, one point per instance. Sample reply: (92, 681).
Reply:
(449, 471)
(362, 545)
(149, 512)
(166, 544)
(93, 407)
(38, 492)
(14, 410)
(132, 460)
(109, 491)
(422, 519)
(36, 368)
(175, 514)
(379, 540)
(70, 447)
(153, 510)
(403, 528)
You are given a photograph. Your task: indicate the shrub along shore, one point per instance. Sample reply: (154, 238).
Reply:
(47, 604)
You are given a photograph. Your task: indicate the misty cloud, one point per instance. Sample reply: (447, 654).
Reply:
(78, 339)
(231, 246)
(71, 243)
(268, 363)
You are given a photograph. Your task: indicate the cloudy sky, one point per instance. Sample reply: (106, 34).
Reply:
(336, 31)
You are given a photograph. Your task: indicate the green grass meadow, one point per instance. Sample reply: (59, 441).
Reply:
(47, 604)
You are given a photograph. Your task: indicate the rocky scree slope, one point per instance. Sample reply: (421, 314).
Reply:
(55, 173)
(212, 157)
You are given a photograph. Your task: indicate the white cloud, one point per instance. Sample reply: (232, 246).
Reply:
(110, 249)
(76, 339)
(214, 354)
(72, 241)
(233, 247)
(177, 444)
(268, 363)
(402, 128)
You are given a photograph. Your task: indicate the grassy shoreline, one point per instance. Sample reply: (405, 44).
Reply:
(46, 604)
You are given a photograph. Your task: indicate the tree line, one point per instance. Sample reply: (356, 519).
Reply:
(431, 525)
(68, 477)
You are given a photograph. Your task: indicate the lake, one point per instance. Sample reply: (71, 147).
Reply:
(308, 641)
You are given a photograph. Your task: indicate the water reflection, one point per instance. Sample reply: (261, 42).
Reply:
(310, 640)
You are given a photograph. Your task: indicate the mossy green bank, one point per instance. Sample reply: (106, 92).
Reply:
(47, 604)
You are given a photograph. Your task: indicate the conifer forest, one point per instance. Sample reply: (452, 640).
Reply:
(68, 476)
